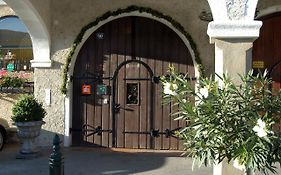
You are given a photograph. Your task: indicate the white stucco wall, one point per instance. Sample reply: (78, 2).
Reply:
(266, 7)
(43, 8)
(262, 4)
(6, 10)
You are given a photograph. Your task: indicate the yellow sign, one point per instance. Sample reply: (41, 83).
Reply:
(258, 64)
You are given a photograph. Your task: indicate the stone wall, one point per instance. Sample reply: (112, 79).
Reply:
(6, 11)
(7, 101)
(262, 4)
(267, 7)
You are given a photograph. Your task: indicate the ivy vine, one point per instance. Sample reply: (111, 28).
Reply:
(129, 9)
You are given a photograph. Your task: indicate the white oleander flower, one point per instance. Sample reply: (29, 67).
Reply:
(196, 127)
(170, 88)
(260, 128)
(237, 165)
(204, 92)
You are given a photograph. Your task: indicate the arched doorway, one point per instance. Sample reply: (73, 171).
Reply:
(37, 29)
(266, 49)
(121, 63)
(15, 45)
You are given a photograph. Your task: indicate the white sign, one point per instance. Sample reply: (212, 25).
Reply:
(48, 97)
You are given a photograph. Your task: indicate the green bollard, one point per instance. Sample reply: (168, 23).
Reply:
(56, 166)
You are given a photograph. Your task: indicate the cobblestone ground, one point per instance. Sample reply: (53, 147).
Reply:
(93, 161)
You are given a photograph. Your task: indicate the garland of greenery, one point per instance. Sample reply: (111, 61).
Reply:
(129, 9)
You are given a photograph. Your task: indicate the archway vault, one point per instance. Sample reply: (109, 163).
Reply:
(133, 10)
(140, 14)
(37, 29)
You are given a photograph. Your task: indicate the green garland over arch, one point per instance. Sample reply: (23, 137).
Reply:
(129, 9)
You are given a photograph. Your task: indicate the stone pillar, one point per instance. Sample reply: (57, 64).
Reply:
(233, 32)
(232, 57)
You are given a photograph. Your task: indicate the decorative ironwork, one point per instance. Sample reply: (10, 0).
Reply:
(156, 79)
(100, 35)
(156, 133)
(188, 78)
(132, 93)
(116, 108)
(273, 67)
(96, 77)
(93, 130)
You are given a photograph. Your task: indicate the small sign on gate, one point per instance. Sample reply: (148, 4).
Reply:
(258, 64)
(102, 89)
(86, 89)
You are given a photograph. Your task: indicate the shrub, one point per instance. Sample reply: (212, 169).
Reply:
(14, 82)
(27, 108)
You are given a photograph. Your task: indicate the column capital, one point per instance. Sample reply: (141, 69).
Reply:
(243, 30)
(233, 19)
(41, 63)
(233, 10)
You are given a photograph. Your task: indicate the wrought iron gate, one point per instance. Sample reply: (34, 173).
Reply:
(117, 99)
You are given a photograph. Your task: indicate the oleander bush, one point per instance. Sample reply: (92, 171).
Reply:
(227, 121)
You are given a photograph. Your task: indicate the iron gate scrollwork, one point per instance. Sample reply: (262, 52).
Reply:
(93, 130)
(270, 72)
(156, 133)
(89, 130)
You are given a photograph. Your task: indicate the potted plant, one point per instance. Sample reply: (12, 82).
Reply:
(28, 116)
(228, 121)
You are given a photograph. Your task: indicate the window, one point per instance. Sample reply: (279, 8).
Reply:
(15, 55)
(15, 45)
(132, 93)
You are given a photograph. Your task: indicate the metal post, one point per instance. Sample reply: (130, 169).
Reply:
(56, 166)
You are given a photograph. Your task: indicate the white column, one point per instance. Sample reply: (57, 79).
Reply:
(233, 57)
(233, 32)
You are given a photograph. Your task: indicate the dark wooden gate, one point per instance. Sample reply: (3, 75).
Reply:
(266, 49)
(122, 62)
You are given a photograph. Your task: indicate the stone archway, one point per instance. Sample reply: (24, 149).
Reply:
(37, 29)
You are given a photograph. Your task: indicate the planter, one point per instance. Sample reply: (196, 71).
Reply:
(27, 132)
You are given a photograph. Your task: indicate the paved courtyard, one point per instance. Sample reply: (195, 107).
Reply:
(86, 161)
